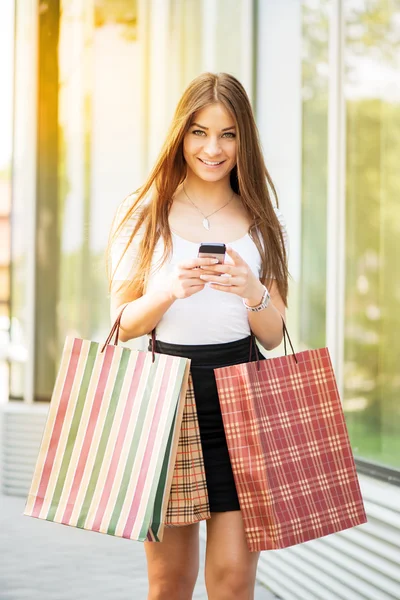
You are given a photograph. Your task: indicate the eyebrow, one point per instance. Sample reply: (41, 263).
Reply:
(206, 128)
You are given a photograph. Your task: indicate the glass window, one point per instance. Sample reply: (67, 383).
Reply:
(5, 241)
(185, 42)
(6, 98)
(23, 189)
(99, 152)
(372, 317)
(315, 89)
(229, 57)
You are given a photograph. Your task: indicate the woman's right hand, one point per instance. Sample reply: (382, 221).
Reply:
(185, 279)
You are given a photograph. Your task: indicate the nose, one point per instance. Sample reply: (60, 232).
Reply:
(212, 146)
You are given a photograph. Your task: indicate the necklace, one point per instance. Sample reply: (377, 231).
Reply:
(206, 222)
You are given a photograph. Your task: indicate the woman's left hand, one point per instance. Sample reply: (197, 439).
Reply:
(237, 278)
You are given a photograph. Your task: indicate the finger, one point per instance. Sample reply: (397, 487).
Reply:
(211, 278)
(225, 268)
(197, 287)
(189, 274)
(197, 262)
(206, 271)
(194, 289)
(223, 288)
(190, 282)
(235, 256)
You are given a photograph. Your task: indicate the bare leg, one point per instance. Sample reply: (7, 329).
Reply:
(173, 564)
(230, 567)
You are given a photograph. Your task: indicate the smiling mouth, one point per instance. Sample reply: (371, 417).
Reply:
(211, 163)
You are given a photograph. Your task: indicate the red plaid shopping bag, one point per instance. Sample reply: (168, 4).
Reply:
(289, 447)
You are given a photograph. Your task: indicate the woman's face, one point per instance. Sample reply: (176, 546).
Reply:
(210, 145)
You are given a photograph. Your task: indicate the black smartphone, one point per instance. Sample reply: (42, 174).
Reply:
(212, 250)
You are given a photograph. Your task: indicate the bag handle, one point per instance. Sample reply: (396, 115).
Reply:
(115, 329)
(115, 332)
(285, 335)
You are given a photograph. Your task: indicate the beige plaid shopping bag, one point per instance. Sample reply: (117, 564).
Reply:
(188, 501)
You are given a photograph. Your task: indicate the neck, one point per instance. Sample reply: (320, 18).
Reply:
(207, 193)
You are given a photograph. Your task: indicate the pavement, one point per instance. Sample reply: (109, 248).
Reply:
(40, 560)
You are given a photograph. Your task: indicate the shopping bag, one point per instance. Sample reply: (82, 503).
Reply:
(114, 420)
(188, 501)
(291, 456)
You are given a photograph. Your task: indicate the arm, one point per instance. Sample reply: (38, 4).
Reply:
(267, 324)
(143, 312)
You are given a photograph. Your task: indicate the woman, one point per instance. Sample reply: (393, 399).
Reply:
(209, 184)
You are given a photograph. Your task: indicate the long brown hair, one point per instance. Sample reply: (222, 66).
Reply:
(249, 179)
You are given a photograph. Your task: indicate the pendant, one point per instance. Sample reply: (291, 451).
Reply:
(206, 224)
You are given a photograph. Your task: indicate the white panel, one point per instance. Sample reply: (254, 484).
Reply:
(209, 33)
(21, 431)
(278, 104)
(361, 562)
(24, 162)
(336, 196)
(247, 47)
(159, 66)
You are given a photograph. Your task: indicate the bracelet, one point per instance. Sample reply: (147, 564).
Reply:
(265, 300)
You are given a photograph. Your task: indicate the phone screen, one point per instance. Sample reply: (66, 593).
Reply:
(212, 250)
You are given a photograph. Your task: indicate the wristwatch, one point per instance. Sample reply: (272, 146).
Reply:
(263, 304)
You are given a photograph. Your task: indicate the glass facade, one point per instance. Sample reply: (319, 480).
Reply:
(6, 119)
(23, 197)
(315, 25)
(350, 61)
(105, 101)
(106, 93)
(372, 319)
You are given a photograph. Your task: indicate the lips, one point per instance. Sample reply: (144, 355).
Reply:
(211, 163)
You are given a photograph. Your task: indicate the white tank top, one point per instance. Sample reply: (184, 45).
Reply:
(207, 317)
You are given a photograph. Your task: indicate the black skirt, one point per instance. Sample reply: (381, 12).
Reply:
(204, 359)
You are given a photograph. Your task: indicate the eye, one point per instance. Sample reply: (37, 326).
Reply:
(198, 132)
(229, 134)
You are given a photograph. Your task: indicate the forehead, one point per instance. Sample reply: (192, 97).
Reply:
(214, 116)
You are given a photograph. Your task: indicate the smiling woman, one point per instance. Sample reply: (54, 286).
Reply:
(209, 151)
(209, 184)
(211, 148)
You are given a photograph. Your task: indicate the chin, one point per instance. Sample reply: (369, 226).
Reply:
(212, 176)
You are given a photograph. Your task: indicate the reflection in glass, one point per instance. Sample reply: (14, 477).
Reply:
(98, 151)
(23, 178)
(315, 87)
(372, 317)
(6, 120)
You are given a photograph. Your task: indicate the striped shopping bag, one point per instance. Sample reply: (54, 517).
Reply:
(114, 422)
(290, 451)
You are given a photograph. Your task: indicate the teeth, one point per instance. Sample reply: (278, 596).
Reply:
(208, 162)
